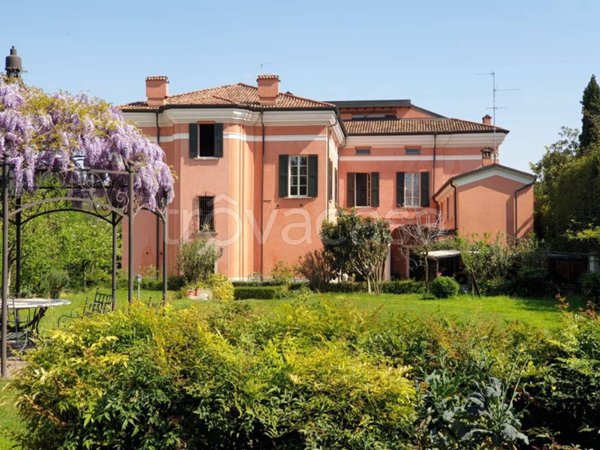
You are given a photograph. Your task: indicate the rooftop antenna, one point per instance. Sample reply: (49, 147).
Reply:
(495, 108)
(262, 65)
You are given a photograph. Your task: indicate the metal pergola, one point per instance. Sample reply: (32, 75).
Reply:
(106, 194)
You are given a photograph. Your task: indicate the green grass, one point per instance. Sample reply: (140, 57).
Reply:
(540, 313)
(9, 421)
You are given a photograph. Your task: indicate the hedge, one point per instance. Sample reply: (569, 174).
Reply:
(259, 292)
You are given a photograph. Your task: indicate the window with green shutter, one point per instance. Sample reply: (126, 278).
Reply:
(206, 140)
(363, 189)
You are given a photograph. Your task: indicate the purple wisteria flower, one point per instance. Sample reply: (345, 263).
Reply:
(49, 132)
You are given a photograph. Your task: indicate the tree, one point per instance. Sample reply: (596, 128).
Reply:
(196, 260)
(590, 122)
(548, 171)
(422, 235)
(358, 245)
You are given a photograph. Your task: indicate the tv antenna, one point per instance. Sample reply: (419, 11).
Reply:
(262, 65)
(495, 107)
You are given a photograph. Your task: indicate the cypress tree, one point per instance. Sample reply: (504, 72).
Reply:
(590, 129)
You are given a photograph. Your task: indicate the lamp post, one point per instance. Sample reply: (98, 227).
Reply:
(138, 279)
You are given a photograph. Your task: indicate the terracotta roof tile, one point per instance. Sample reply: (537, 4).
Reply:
(157, 78)
(240, 94)
(416, 126)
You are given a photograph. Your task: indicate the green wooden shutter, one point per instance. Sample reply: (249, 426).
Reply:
(375, 189)
(313, 175)
(283, 175)
(329, 180)
(218, 140)
(424, 189)
(350, 189)
(399, 189)
(193, 140)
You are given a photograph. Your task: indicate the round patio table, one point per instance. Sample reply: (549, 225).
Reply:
(38, 305)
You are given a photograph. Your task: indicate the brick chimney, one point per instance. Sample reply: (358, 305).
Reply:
(268, 89)
(486, 120)
(157, 90)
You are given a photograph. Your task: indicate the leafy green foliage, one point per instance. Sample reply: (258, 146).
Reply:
(282, 273)
(196, 259)
(222, 288)
(590, 122)
(444, 287)
(403, 287)
(229, 379)
(590, 287)
(259, 292)
(358, 245)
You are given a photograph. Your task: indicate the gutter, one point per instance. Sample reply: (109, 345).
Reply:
(262, 195)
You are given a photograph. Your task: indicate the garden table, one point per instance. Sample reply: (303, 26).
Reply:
(39, 307)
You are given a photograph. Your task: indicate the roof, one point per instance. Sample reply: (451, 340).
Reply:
(417, 125)
(493, 169)
(441, 254)
(371, 103)
(231, 95)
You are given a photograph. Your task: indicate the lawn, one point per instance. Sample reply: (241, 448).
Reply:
(540, 313)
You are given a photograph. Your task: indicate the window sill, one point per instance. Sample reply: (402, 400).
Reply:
(206, 158)
(211, 233)
(297, 197)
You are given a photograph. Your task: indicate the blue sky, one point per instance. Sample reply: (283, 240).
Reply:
(430, 51)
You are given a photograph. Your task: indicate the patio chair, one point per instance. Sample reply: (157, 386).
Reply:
(100, 304)
(18, 336)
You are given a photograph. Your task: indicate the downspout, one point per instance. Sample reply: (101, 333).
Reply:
(262, 195)
(455, 207)
(522, 188)
(437, 205)
(327, 182)
(157, 218)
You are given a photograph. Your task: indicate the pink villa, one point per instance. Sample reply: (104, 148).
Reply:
(258, 170)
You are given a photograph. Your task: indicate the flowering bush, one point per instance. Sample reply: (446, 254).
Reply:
(42, 132)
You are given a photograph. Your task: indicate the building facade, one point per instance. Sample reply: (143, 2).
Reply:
(258, 170)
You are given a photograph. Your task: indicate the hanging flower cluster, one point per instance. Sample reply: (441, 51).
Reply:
(41, 132)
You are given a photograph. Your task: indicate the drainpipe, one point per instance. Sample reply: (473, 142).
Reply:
(262, 195)
(522, 188)
(157, 218)
(437, 205)
(455, 207)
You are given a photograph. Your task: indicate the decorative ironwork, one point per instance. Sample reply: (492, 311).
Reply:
(106, 194)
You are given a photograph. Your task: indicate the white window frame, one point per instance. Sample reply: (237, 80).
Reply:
(412, 190)
(300, 162)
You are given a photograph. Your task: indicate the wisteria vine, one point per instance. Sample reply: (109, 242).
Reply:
(42, 132)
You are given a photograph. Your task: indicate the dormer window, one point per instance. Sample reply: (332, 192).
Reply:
(487, 153)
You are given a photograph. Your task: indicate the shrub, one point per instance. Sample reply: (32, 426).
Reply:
(532, 282)
(590, 287)
(316, 267)
(54, 282)
(403, 287)
(282, 273)
(259, 292)
(222, 288)
(347, 287)
(196, 379)
(196, 259)
(444, 287)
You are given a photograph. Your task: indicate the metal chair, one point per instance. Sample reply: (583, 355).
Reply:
(18, 336)
(100, 304)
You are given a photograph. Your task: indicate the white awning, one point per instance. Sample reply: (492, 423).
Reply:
(441, 254)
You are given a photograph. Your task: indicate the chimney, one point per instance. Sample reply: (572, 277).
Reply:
(268, 89)
(13, 64)
(487, 157)
(157, 90)
(487, 119)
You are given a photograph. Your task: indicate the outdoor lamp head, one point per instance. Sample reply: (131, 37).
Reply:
(138, 278)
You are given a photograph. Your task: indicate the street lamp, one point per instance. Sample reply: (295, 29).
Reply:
(138, 278)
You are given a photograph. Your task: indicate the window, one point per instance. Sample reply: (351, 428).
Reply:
(363, 151)
(363, 189)
(298, 176)
(413, 151)
(412, 189)
(206, 140)
(207, 214)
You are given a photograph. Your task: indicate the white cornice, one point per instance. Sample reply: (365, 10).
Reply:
(239, 116)
(390, 158)
(428, 140)
(494, 171)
